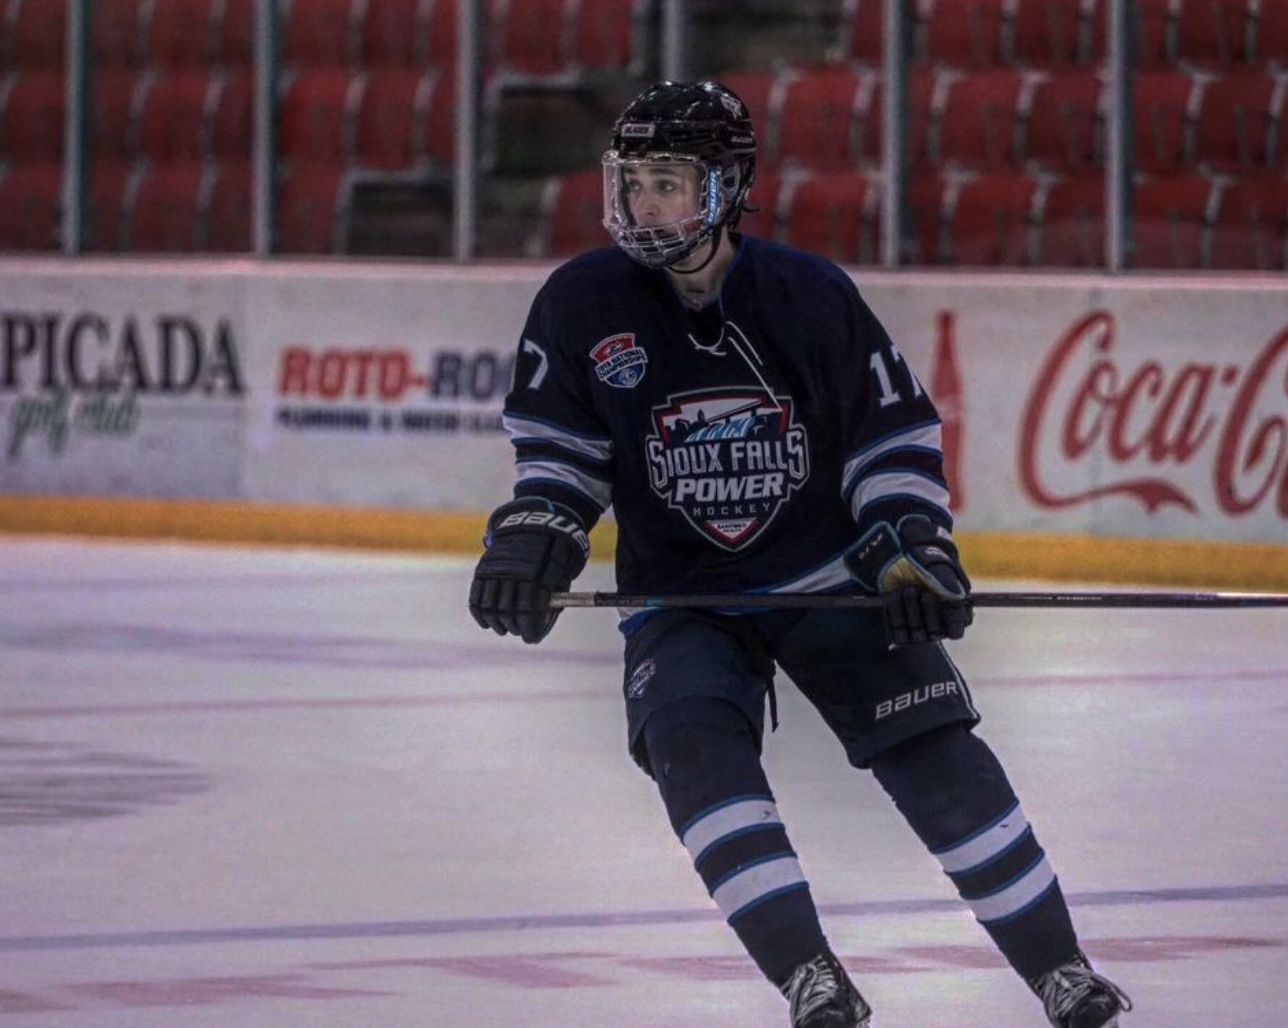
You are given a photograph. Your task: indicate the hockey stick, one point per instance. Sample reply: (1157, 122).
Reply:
(1142, 600)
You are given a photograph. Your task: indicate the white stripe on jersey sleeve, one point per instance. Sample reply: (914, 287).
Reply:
(897, 483)
(524, 428)
(596, 490)
(925, 437)
(831, 575)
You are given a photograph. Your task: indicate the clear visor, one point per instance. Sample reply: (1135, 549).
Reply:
(660, 208)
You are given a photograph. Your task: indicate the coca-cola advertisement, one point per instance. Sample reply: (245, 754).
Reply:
(1158, 413)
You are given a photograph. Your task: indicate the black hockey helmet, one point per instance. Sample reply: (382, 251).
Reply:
(704, 127)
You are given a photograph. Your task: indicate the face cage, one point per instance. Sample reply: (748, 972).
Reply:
(661, 246)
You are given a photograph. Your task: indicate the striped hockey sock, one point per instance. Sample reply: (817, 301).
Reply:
(707, 767)
(955, 795)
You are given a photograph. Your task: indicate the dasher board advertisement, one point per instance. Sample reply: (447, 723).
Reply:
(129, 383)
(384, 389)
(1138, 408)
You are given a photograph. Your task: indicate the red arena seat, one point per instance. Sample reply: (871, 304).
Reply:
(1251, 228)
(167, 214)
(173, 118)
(863, 29)
(179, 33)
(438, 141)
(30, 199)
(235, 34)
(1214, 31)
(117, 34)
(817, 118)
(1046, 32)
(1272, 32)
(763, 221)
(1155, 33)
(39, 34)
(114, 99)
(34, 111)
(607, 33)
(110, 202)
(312, 211)
(1235, 120)
(317, 116)
(392, 33)
(1162, 109)
(925, 200)
(440, 49)
(574, 213)
(1154, 28)
(228, 215)
(232, 116)
(392, 102)
(320, 33)
(1172, 218)
(922, 114)
(1064, 128)
(834, 215)
(531, 38)
(1070, 231)
(965, 33)
(979, 122)
(990, 221)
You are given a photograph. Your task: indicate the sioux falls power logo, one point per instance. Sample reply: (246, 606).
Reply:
(727, 459)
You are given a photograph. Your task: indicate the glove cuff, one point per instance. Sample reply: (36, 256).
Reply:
(877, 550)
(532, 512)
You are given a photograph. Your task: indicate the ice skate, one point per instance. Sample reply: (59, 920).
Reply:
(1075, 996)
(821, 995)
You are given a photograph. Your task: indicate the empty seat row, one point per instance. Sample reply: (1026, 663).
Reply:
(987, 33)
(171, 33)
(395, 119)
(1181, 221)
(177, 207)
(524, 37)
(830, 117)
(538, 38)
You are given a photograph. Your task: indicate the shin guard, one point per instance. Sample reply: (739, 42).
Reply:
(955, 795)
(705, 760)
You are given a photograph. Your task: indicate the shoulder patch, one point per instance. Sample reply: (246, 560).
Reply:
(619, 362)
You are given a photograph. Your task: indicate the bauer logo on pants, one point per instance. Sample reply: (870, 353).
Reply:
(727, 459)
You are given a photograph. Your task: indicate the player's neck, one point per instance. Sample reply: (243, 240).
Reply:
(703, 280)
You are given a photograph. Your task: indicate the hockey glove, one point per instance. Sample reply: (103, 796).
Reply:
(914, 566)
(534, 548)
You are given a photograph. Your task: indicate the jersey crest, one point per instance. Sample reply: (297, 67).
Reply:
(727, 459)
(618, 361)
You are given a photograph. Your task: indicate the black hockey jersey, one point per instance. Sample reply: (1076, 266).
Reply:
(742, 448)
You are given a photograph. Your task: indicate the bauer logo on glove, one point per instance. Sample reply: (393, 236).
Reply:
(534, 548)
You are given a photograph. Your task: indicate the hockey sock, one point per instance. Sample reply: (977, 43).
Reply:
(706, 761)
(955, 795)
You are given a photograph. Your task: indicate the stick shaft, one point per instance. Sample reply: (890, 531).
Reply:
(1140, 600)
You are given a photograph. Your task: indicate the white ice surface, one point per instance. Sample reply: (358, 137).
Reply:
(268, 788)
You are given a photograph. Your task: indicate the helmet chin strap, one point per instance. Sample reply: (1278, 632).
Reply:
(716, 236)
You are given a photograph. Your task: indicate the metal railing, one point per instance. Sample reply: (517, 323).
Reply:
(673, 49)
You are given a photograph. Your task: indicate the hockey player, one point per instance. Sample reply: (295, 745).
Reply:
(756, 430)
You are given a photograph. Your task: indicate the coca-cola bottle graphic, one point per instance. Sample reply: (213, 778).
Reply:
(946, 390)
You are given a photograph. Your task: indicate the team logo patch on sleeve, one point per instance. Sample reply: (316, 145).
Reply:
(619, 362)
(640, 677)
(727, 459)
